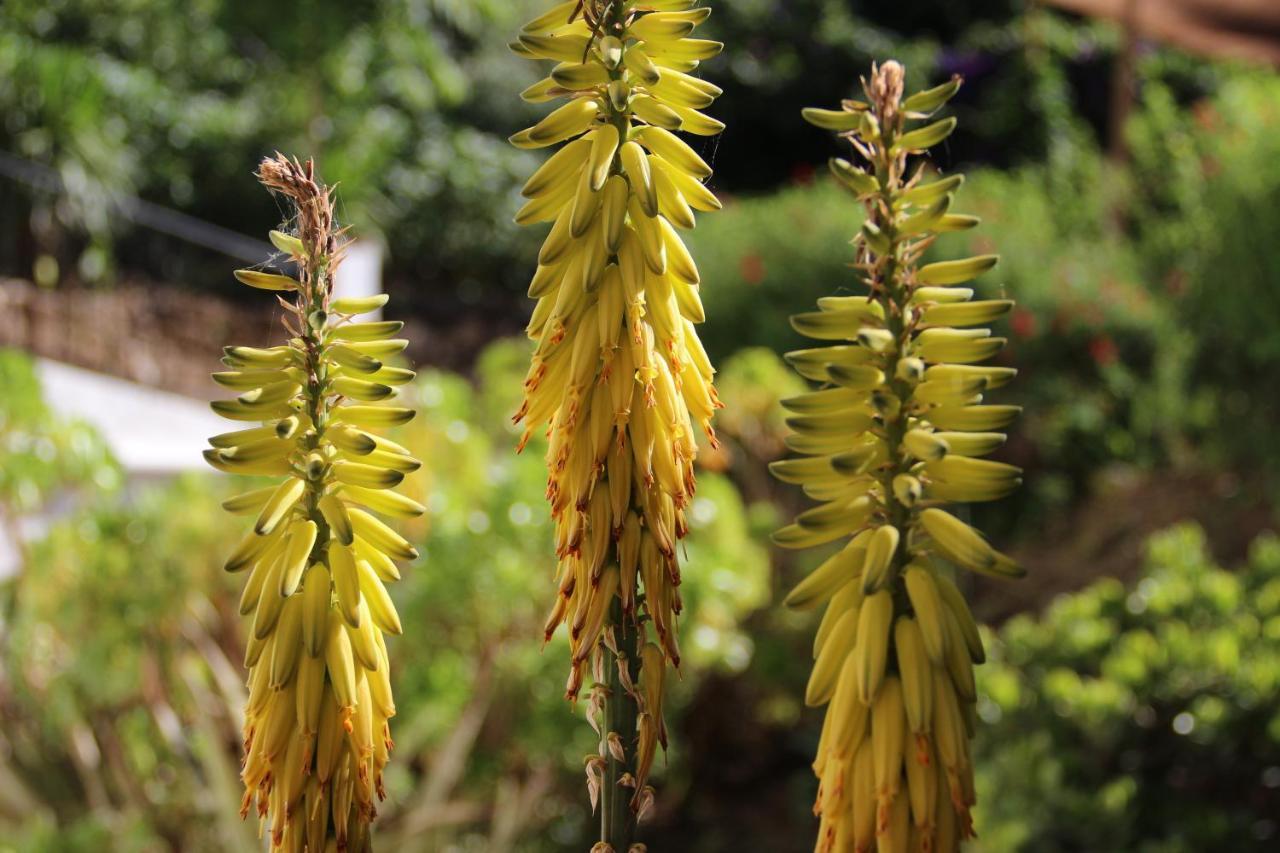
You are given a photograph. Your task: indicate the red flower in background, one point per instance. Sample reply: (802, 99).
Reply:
(752, 268)
(1206, 115)
(1023, 323)
(802, 174)
(1103, 350)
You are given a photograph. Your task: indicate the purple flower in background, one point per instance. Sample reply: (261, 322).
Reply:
(967, 64)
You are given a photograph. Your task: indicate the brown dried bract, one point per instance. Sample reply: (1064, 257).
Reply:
(296, 181)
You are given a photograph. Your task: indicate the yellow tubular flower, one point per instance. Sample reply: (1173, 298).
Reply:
(619, 379)
(316, 734)
(893, 434)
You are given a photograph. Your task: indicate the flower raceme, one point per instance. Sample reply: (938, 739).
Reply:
(619, 378)
(894, 433)
(317, 558)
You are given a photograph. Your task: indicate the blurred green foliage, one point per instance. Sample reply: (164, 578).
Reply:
(175, 102)
(122, 681)
(121, 686)
(407, 105)
(751, 383)
(1131, 347)
(1032, 77)
(1103, 361)
(39, 454)
(1139, 718)
(1206, 209)
(1103, 365)
(109, 647)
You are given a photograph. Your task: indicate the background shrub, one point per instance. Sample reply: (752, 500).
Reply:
(1140, 718)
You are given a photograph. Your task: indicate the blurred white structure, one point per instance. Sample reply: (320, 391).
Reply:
(360, 273)
(157, 433)
(150, 432)
(9, 555)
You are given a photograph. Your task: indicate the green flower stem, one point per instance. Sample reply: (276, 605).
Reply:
(617, 820)
(893, 297)
(313, 297)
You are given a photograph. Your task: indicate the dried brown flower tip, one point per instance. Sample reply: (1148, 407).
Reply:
(296, 181)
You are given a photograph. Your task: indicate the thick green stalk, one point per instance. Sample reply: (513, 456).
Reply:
(617, 820)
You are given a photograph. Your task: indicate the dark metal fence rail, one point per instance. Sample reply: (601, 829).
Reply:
(148, 214)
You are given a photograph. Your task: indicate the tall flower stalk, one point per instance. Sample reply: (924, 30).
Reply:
(893, 434)
(619, 379)
(316, 735)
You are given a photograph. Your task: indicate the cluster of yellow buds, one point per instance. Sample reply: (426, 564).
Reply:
(893, 434)
(316, 735)
(619, 378)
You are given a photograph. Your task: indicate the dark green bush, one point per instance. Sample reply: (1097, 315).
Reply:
(406, 104)
(1140, 719)
(764, 258)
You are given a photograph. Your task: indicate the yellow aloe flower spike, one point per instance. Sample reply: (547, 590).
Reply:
(618, 380)
(892, 436)
(316, 730)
